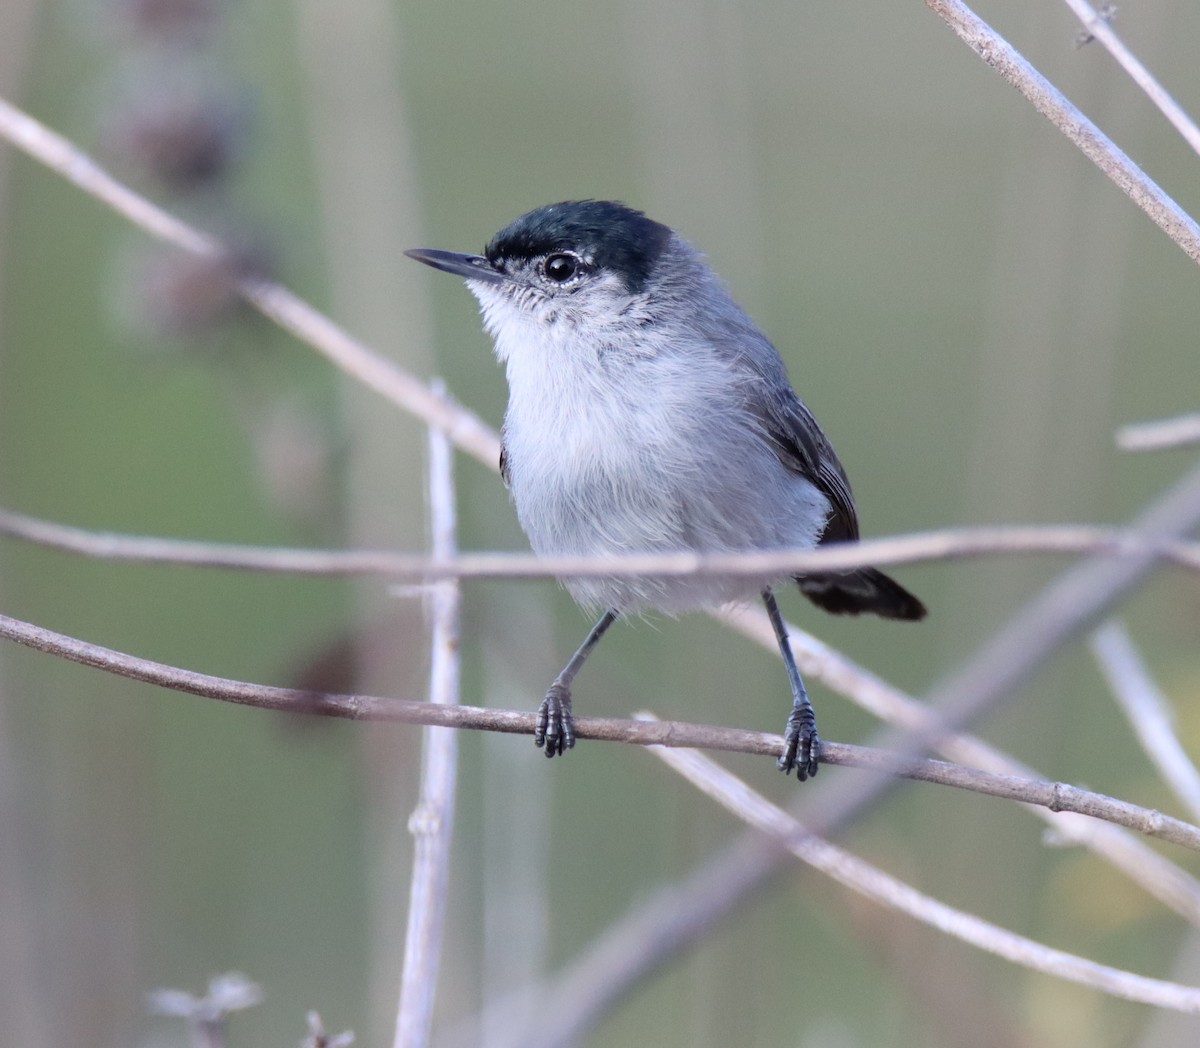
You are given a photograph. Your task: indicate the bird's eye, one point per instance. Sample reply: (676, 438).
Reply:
(561, 267)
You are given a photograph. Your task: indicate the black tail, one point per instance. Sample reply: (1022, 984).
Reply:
(855, 592)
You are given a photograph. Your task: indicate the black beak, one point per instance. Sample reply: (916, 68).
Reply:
(469, 267)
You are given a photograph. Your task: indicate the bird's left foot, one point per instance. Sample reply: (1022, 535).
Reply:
(554, 731)
(802, 745)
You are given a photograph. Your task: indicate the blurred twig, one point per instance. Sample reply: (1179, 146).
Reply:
(1147, 711)
(318, 1037)
(674, 734)
(1060, 612)
(272, 299)
(1092, 142)
(1167, 216)
(1032, 635)
(946, 544)
(433, 821)
(678, 915)
(1098, 27)
(1163, 880)
(1162, 433)
(854, 873)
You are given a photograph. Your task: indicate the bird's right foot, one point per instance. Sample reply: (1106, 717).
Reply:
(802, 745)
(554, 731)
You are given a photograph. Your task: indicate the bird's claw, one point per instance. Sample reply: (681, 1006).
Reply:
(555, 728)
(802, 747)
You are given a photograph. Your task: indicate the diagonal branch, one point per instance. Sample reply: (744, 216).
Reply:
(1098, 28)
(734, 795)
(1147, 710)
(1092, 142)
(466, 429)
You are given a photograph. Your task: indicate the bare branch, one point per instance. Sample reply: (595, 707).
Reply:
(945, 544)
(1098, 27)
(1092, 142)
(1060, 612)
(272, 299)
(674, 734)
(1163, 433)
(854, 873)
(432, 823)
(1147, 710)
(1163, 880)
(678, 915)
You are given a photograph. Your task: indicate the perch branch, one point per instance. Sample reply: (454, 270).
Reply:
(674, 734)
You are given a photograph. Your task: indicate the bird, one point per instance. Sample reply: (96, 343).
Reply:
(647, 413)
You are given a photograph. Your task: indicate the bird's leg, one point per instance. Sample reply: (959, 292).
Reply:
(555, 728)
(802, 744)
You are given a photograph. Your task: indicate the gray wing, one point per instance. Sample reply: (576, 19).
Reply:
(786, 423)
(803, 447)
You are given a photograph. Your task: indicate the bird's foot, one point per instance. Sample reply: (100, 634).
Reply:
(802, 745)
(555, 728)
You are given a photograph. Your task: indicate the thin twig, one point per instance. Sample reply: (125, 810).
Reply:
(1000, 665)
(1162, 433)
(680, 915)
(734, 795)
(1050, 102)
(1099, 28)
(432, 823)
(272, 299)
(1147, 710)
(1163, 880)
(944, 544)
(674, 734)
(1061, 611)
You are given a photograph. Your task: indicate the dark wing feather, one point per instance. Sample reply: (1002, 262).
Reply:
(802, 446)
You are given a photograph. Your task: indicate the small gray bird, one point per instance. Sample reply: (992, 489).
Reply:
(648, 414)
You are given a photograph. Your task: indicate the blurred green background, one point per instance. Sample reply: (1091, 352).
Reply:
(969, 307)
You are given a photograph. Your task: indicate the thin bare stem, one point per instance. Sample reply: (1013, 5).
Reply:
(1162, 879)
(1147, 710)
(1092, 142)
(1030, 637)
(1162, 433)
(734, 795)
(272, 299)
(946, 544)
(1100, 28)
(432, 822)
(1060, 612)
(674, 734)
